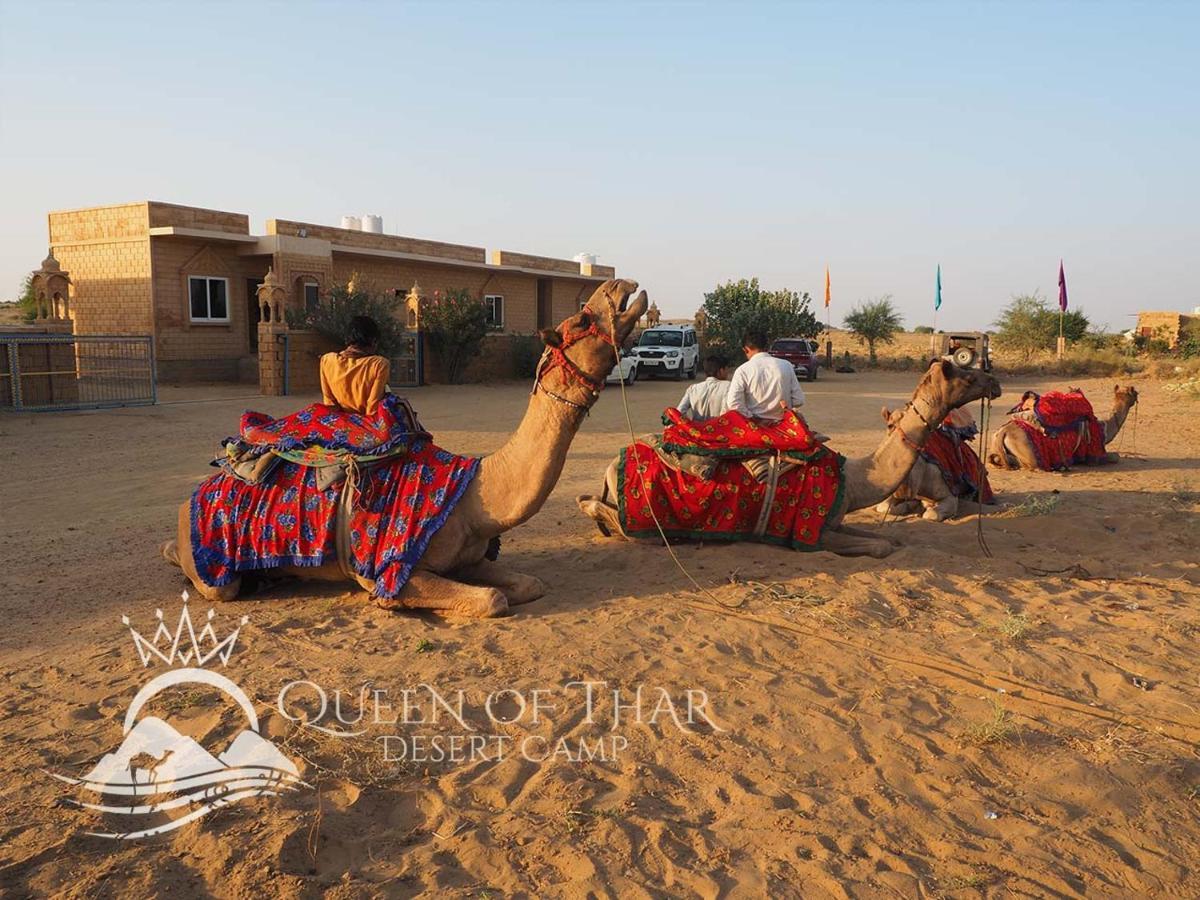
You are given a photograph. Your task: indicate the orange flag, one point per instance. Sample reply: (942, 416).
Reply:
(827, 287)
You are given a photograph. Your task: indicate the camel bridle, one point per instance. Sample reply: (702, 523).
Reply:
(555, 357)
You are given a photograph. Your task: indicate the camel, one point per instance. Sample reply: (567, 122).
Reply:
(1010, 447)
(149, 763)
(869, 479)
(925, 491)
(455, 575)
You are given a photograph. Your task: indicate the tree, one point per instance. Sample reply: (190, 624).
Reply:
(1029, 324)
(737, 306)
(456, 323)
(875, 322)
(28, 300)
(332, 316)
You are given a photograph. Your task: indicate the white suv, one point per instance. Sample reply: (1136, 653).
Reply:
(668, 350)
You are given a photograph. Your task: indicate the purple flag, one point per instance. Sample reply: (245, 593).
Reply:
(1062, 288)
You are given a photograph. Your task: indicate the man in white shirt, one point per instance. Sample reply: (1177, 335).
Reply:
(706, 400)
(763, 386)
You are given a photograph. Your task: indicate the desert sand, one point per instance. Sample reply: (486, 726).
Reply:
(938, 723)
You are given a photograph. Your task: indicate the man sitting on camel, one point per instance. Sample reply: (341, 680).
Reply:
(763, 387)
(709, 398)
(356, 378)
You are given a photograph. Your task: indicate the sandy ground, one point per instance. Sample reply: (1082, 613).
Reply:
(936, 723)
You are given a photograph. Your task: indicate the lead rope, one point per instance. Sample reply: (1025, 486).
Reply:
(985, 419)
(646, 486)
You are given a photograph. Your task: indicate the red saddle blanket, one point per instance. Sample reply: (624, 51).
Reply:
(733, 435)
(729, 505)
(959, 464)
(286, 519)
(1062, 428)
(1056, 411)
(1063, 449)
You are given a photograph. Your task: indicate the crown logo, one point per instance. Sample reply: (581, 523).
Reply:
(184, 645)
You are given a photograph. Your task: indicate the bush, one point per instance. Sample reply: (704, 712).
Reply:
(923, 329)
(525, 351)
(1029, 324)
(332, 316)
(735, 307)
(1189, 339)
(874, 322)
(456, 324)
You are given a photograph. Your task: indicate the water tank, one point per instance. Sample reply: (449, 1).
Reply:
(373, 224)
(352, 222)
(585, 259)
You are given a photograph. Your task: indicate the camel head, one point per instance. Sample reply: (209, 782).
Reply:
(953, 386)
(589, 341)
(1125, 397)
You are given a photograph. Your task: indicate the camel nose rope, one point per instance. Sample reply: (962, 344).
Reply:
(646, 485)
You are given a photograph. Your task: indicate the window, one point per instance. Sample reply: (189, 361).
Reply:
(312, 296)
(494, 304)
(209, 298)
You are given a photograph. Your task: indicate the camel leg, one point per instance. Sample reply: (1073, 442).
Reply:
(179, 552)
(848, 544)
(516, 587)
(898, 508)
(604, 514)
(940, 510)
(864, 533)
(426, 590)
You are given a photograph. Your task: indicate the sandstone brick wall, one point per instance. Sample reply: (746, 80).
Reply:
(381, 275)
(215, 347)
(529, 261)
(162, 214)
(108, 223)
(347, 237)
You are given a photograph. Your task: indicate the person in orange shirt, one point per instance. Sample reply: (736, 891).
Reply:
(356, 378)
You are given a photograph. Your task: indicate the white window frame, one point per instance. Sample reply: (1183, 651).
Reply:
(489, 302)
(208, 296)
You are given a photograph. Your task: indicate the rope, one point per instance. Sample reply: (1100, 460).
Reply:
(646, 488)
(985, 421)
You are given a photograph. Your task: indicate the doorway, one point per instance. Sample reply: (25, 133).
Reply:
(544, 311)
(253, 311)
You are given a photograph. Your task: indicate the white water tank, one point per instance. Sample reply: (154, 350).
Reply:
(372, 224)
(585, 259)
(352, 223)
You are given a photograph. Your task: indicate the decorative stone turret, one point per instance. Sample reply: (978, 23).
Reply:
(52, 288)
(272, 340)
(414, 309)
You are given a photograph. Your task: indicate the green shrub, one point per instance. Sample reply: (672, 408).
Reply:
(332, 316)
(923, 329)
(456, 324)
(524, 352)
(1029, 324)
(735, 307)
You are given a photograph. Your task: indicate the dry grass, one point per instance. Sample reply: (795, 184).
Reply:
(1033, 505)
(995, 730)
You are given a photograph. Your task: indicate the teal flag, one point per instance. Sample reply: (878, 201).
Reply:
(937, 300)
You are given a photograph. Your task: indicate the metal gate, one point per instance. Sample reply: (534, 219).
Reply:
(41, 372)
(408, 362)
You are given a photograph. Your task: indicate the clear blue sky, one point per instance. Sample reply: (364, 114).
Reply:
(685, 144)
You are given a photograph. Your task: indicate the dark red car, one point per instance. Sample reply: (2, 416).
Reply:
(800, 352)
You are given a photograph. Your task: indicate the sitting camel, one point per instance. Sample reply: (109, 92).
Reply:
(1012, 447)
(870, 479)
(455, 575)
(928, 489)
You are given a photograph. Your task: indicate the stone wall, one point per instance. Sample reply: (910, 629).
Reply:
(348, 237)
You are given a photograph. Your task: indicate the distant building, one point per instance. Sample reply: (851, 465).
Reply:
(189, 276)
(1164, 326)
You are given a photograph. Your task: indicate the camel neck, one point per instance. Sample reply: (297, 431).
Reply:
(515, 481)
(872, 479)
(1116, 421)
